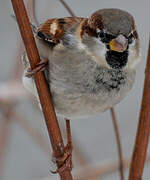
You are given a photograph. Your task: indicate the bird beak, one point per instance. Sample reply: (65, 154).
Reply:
(119, 44)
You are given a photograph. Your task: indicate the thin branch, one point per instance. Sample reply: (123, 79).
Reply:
(41, 84)
(142, 137)
(68, 8)
(120, 154)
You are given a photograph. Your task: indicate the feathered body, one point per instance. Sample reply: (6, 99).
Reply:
(83, 83)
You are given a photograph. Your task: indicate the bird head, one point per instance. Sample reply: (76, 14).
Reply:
(111, 37)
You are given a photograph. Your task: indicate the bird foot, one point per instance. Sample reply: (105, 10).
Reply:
(41, 66)
(65, 161)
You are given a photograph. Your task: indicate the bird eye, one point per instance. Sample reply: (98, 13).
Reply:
(101, 34)
(41, 35)
(130, 39)
(105, 37)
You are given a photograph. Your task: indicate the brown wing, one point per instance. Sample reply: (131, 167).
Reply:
(53, 30)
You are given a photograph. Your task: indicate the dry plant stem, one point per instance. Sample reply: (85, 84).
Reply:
(41, 84)
(142, 137)
(68, 8)
(116, 129)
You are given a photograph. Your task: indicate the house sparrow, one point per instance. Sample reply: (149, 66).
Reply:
(91, 61)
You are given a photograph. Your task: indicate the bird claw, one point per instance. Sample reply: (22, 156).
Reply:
(65, 161)
(38, 68)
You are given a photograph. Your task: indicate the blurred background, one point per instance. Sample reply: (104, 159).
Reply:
(24, 144)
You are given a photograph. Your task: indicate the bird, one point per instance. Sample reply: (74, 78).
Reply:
(89, 63)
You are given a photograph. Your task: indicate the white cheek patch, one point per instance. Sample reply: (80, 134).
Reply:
(53, 28)
(100, 48)
(100, 53)
(97, 52)
(84, 48)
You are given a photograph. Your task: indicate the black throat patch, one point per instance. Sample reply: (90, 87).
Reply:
(117, 60)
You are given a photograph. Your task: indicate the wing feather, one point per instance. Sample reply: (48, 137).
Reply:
(52, 30)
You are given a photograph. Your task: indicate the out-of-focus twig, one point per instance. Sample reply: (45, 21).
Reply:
(101, 170)
(4, 139)
(41, 84)
(116, 129)
(34, 134)
(16, 70)
(143, 132)
(32, 11)
(24, 124)
(67, 7)
(78, 153)
(98, 170)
